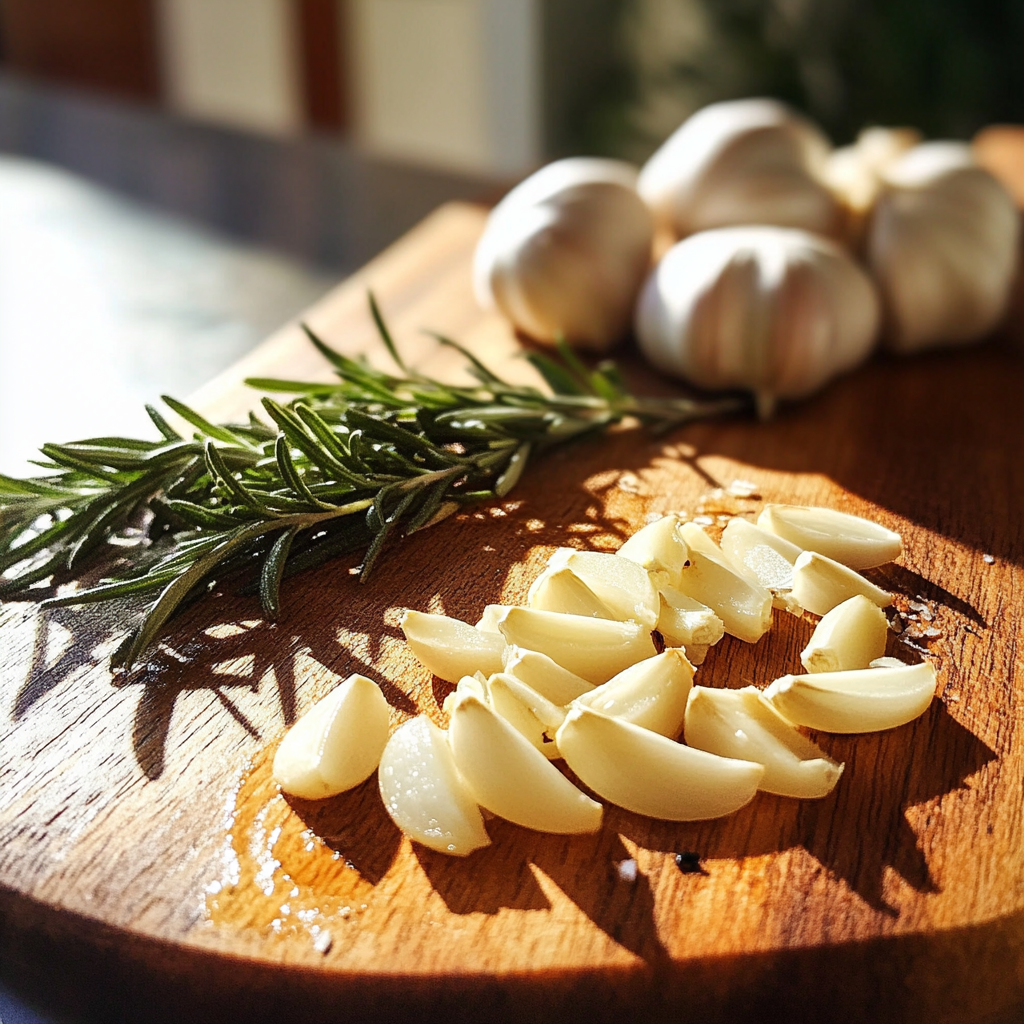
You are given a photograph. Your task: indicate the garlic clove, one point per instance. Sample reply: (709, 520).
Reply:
(772, 310)
(887, 663)
(489, 619)
(504, 695)
(685, 622)
(769, 558)
(852, 540)
(424, 794)
(565, 252)
(622, 586)
(650, 774)
(335, 745)
(595, 649)
(560, 590)
(547, 711)
(651, 693)
(741, 724)
(752, 161)
(819, 584)
(544, 675)
(863, 700)
(744, 607)
(942, 242)
(511, 778)
(451, 648)
(852, 635)
(659, 549)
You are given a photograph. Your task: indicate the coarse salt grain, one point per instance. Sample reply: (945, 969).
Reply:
(626, 870)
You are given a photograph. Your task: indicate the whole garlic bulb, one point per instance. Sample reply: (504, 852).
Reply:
(774, 310)
(566, 251)
(742, 162)
(942, 243)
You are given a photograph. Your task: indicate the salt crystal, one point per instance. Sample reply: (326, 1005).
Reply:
(323, 942)
(703, 520)
(988, 559)
(744, 489)
(626, 870)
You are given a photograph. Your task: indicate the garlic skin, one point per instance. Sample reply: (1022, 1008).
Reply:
(942, 243)
(565, 252)
(752, 161)
(773, 310)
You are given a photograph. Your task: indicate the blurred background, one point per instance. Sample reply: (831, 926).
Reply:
(180, 177)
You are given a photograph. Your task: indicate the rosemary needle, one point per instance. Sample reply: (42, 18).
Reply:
(342, 466)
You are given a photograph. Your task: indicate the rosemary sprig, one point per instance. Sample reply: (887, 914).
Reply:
(344, 466)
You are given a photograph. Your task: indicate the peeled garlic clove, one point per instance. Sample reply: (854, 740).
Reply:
(511, 778)
(741, 724)
(544, 675)
(770, 559)
(685, 622)
(565, 252)
(819, 584)
(451, 648)
(559, 590)
(650, 774)
(424, 793)
(887, 663)
(776, 311)
(942, 243)
(504, 695)
(547, 711)
(864, 700)
(489, 620)
(750, 161)
(659, 549)
(621, 585)
(745, 608)
(850, 636)
(651, 693)
(852, 540)
(336, 744)
(595, 649)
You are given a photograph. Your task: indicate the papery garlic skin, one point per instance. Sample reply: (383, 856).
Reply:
(335, 745)
(776, 311)
(451, 648)
(853, 540)
(742, 724)
(820, 583)
(649, 774)
(942, 243)
(852, 635)
(511, 778)
(565, 252)
(751, 161)
(651, 693)
(864, 700)
(424, 794)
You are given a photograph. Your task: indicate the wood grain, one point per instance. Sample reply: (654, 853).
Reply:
(143, 846)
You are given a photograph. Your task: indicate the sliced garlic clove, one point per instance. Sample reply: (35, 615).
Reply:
(862, 700)
(502, 695)
(769, 558)
(744, 607)
(856, 542)
(819, 584)
(451, 648)
(650, 774)
(595, 649)
(510, 777)
(651, 693)
(742, 724)
(621, 585)
(685, 622)
(489, 620)
(659, 549)
(336, 744)
(851, 635)
(544, 675)
(424, 793)
(561, 590)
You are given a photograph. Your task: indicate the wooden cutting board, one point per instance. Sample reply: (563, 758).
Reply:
(150, 871)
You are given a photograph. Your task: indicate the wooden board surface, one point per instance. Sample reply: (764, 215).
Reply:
(144, 849)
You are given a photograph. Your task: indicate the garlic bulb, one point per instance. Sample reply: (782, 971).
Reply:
(566, 251)
(942, 243)
(774, 310)
(742, 162)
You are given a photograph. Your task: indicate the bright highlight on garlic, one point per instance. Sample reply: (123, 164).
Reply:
(565, 252)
